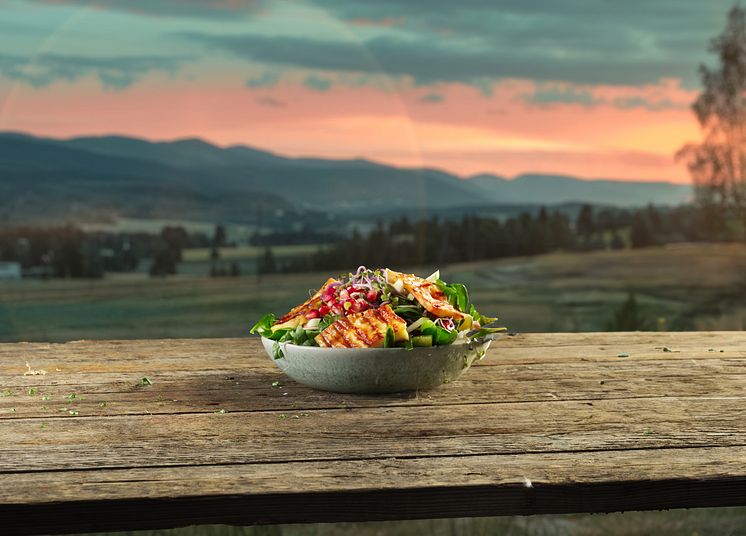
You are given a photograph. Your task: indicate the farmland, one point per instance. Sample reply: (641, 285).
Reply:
(686, 287)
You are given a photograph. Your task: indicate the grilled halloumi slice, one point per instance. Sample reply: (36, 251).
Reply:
(429, 296)
(366, 329)
(297, 315)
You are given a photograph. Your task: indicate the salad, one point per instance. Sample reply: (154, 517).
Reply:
(379, 309)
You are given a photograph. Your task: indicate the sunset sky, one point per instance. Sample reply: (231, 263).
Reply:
(578, 87)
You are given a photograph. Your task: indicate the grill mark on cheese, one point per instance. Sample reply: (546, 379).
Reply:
(386, 315)
(362, 330)
(427, 294)
(348, 332)
(314, 302)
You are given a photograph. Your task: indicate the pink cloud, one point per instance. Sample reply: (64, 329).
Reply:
(466, 132)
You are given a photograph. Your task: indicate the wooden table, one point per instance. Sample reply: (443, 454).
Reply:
(547, 423)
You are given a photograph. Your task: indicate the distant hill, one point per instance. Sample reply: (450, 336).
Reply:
(554, 189)
(89, 177)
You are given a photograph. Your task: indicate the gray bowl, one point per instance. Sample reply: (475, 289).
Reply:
(376, 370)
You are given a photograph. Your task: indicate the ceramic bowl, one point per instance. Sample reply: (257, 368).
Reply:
(376, 370)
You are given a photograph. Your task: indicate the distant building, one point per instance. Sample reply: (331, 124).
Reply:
(10, 270)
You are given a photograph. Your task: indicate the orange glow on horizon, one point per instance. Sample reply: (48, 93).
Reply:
(465, 132)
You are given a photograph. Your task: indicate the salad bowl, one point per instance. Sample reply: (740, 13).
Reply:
(379, 331)
(376, 370)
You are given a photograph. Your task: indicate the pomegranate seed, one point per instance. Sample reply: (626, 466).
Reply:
(372, 295)
(324, 310)
(313, 313)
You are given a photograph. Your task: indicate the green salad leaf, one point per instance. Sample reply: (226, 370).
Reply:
(456, 293)
(483, 320)
(484, 332)
(388, 341)
(277, 351)
(265, 324)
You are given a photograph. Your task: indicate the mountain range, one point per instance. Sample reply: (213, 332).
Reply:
(44, 179)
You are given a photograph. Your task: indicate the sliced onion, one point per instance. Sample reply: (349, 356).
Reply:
(398, 286)
(312, 324)
(433, 277)
(416, 324)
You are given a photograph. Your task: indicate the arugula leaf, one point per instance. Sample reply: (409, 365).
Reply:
(277, 351)
(479, 317)
(265, 324)
(462, 297)
(279, 335)
(327, 321)
(484, 332)
(456, 293)
(409, 312)
(299, 336)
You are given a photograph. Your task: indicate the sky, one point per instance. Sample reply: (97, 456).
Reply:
(594, 89)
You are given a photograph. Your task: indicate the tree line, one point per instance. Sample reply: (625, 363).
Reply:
(438, 241)
(69, 252)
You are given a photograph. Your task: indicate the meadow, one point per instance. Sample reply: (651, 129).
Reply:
(687, 287)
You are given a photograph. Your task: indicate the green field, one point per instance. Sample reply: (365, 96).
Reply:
(694, 287)
(235, 231)
(249, 252)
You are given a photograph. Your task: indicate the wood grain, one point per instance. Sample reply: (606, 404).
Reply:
(212, 440)
(384, 489)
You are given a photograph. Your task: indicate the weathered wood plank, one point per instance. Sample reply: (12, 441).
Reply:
(394, 488)
(664, 427)
(235, 354)
(367, 433)
(107, 394)
(12, 369)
